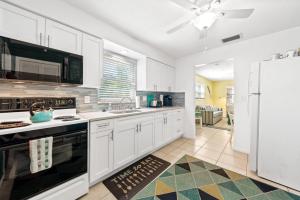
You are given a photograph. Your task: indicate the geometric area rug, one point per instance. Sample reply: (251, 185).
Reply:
(194, 179)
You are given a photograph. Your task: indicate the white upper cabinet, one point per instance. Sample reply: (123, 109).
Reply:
(59, 36)
(160, 77)
(92, 51)
(20, 24)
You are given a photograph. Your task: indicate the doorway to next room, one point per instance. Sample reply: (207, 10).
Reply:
(214, 96)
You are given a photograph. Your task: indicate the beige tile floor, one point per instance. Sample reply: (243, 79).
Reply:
(211, 145)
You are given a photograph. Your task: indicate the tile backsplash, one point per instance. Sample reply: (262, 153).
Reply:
(178, 97)
(9, 89)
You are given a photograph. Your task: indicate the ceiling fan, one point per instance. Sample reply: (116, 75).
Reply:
(204, 13)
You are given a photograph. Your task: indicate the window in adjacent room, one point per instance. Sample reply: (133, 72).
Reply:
(230, 95)
(119, 77)
(200, 91)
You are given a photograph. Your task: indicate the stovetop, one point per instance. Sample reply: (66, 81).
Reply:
(13, 124)
(15, 117)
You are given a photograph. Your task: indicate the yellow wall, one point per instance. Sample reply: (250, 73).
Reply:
(218, 92)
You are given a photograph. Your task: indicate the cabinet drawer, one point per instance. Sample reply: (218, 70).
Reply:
(101, 125)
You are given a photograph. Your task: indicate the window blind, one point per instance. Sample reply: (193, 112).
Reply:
(119, 77)
(200, 91)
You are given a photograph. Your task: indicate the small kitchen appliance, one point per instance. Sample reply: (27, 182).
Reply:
(168, 100)
(155, 103)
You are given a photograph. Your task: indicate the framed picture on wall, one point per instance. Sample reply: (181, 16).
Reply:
(200, 91)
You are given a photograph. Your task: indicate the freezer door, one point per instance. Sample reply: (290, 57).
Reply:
(253, 79)
(279, 134)
(254, 120)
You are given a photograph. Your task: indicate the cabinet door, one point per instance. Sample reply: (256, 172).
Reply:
(21, 25)
(146, 136)
(159, 130)
(92, 50)
(124, 142)
(101, 154)
(59, 36)
(179, 123)
(170, 124)
(153, 75)
(170, 79)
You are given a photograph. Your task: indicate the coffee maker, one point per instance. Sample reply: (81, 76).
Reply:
(168, 100)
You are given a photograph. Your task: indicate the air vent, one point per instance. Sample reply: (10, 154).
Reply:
(232, 38)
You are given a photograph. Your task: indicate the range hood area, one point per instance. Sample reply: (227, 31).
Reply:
(22, 61)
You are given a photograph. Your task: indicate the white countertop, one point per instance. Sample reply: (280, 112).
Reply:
(25, 117)
(95, 116)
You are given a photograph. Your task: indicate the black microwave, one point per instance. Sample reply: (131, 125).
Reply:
(25, 61)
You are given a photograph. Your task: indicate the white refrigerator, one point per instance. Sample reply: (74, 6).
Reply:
(274, 109)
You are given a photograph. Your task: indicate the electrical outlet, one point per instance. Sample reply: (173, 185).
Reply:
(87, 99)
(144, 98)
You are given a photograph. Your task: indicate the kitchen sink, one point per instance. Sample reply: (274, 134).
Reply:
(125, 111)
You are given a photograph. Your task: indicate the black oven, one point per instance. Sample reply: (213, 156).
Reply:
(25, 61)
(69, 160)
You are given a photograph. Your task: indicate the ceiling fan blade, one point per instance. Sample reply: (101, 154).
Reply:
(178, 27)
(180, 23)
(185, 4)
(191, 4)
(237, 13)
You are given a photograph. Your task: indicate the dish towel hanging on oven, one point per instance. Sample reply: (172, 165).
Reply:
(40, 151)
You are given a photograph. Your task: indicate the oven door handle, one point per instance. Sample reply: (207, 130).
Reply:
(72, 134)
(14, 146)
(66, 136)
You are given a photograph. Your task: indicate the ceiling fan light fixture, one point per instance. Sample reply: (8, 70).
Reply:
(205, 20)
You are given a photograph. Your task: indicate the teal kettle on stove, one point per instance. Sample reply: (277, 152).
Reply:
(41, 114)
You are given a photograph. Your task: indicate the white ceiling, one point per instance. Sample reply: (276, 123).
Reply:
(218, 71)
(147, 21)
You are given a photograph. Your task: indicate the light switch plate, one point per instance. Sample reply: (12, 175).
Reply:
(87, 99)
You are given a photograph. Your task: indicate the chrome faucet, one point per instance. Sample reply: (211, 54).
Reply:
(131, 102)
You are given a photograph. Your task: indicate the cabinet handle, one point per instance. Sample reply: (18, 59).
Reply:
(140, 127)
(137, 128)
(166, 120)
(112, 135)
(103, 125)
(41, 38)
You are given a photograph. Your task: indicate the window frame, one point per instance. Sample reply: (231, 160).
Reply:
(202, 91)
(113, 99)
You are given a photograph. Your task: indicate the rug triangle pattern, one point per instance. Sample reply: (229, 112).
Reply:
(210, 183)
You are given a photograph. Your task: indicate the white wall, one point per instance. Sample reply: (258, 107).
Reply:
(244, 53)
(74, 17)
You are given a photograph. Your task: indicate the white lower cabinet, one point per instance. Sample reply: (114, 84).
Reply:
(115, 143)
(170, 125)
(145, 135)
(124, 142)
(159, 129)
(101, 154)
